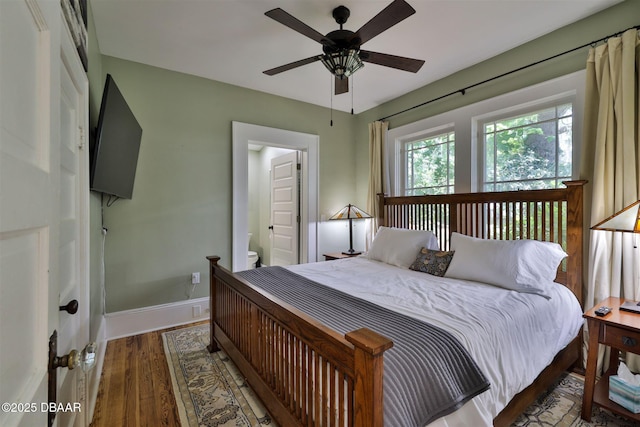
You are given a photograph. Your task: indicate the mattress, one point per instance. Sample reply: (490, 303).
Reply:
(511, 336)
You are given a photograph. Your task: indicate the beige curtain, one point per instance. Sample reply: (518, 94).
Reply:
(611, 132)
(377, 135)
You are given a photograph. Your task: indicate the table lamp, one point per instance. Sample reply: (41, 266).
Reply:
(626, 221)
(351, 212)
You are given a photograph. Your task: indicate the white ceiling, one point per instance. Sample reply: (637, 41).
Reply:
(232, 41)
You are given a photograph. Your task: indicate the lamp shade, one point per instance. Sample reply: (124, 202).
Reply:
(342, 63)
(627, 220)
(351, 212)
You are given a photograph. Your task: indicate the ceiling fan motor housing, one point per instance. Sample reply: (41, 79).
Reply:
(343, 39)
(342, 57)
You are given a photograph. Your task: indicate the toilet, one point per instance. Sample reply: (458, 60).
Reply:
(252, 256)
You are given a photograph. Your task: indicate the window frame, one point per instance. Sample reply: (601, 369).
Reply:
(464, 121)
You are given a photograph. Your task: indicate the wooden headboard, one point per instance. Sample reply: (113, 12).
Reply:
(554, 215)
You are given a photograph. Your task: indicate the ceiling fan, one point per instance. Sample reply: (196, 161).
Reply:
(342, 54)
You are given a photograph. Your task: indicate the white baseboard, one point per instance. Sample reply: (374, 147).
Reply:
(140, 320)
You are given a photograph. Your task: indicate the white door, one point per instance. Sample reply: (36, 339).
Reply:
(39, 192)
(285, 207)
(26, 191)
(73, 245)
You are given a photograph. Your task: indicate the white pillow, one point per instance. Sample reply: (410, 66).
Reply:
(520, 265)
(400, 246)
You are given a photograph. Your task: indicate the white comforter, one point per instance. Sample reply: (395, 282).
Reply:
(512, 336)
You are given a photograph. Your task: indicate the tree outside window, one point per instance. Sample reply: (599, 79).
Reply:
(528, 151)
(429, 165)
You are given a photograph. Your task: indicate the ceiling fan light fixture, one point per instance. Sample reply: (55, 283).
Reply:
(342, 63)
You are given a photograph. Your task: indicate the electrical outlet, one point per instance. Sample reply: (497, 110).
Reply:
(196, 311)
(195, 278)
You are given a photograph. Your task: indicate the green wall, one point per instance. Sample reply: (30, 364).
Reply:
(181, 207)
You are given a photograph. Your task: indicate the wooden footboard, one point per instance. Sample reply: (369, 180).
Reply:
(305, 373)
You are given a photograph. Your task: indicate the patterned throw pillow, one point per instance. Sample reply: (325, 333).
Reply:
(432, 262)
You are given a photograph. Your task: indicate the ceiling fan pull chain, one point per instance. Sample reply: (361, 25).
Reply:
(331, 95)
(353, 89)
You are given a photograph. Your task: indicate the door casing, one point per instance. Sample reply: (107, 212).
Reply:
(245, 134)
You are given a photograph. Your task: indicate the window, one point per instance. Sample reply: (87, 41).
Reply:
(528, 138)
(429, 165)
(529, 150)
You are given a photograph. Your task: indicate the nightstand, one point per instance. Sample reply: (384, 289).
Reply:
(621, 331)
(337, 255)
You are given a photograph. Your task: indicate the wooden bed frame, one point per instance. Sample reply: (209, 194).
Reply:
(309, 375)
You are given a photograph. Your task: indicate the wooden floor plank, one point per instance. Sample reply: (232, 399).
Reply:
(116, 411)
(131, 393)
(135, 386)
(148, 408)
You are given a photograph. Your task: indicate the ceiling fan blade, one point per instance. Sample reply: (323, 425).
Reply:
(396, 12)
(393, 61)
(342, 86)
(292, 65)
(295, 24)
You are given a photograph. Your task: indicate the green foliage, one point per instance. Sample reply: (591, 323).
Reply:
(430, 165)
(520, 152)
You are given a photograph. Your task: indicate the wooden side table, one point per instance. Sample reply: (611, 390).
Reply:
(337, 255)
(621, 331)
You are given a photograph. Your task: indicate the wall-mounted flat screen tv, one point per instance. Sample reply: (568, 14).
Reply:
(117, 144)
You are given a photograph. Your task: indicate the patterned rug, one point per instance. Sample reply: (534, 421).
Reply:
(561, 406)
(210, 391)
(208, 388)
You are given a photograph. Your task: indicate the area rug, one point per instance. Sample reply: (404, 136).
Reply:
(208, 388)
(561, 405)
(210, 391)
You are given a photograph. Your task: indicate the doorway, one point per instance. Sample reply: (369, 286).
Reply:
(274, 208)
(245, 135)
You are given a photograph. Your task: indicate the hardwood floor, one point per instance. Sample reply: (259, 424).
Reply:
(135, 387)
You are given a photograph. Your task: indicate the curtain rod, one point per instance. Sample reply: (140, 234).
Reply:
(464, 89)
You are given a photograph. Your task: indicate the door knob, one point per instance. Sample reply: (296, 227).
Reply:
(71, 307)
(71, 360)
(86, 358)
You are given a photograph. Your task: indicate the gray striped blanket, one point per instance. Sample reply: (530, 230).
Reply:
(427, 373)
